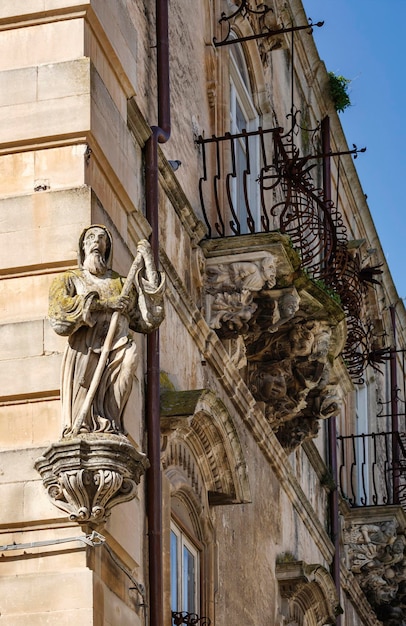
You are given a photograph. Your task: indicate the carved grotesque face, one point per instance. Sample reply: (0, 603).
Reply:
(272, 384)
(269, 272)
(288, 305)
(301, 340)
(95, 240)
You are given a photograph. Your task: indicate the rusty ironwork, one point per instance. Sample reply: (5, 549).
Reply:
(301, 213)
(245, 10)
(287, 197)
(367, 470)
(191, 619)
(357, 350)
(287, 200)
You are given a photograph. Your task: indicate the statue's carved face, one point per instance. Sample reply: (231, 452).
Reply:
(95, 240)
(301, 340)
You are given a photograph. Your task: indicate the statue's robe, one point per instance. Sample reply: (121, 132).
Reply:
(71, 314)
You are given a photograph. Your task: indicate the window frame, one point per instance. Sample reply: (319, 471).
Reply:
(240, 95)
(361, 448)
(184, 541)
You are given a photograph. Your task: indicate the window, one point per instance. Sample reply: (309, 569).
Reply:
(362, 445)
(243, 116)
(185, 567)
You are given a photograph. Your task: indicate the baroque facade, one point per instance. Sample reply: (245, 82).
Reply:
(214, 432)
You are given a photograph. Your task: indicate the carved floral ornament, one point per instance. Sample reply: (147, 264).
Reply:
(282, 337)
(94, 466)
(376, 555)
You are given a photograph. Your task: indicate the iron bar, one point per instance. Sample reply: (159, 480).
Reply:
(269, 32)
(94, 539)
(367, 470)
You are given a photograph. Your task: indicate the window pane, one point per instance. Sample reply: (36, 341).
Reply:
(174, 572)
(241, 120)
(189, 580)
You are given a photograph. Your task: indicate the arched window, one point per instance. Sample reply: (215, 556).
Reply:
(203, 466)
(185, 570)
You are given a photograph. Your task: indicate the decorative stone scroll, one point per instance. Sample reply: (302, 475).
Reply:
(94, 466)
(376, 554)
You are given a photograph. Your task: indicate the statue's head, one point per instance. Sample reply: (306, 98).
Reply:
(288, 303)
(95, 249)
(269, 272)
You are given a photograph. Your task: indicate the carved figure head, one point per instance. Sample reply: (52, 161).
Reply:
(288, 304)
(269, 272)
(301, 340)
(271, 383)
(95, 249)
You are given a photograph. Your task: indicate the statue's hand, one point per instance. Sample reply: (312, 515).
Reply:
(118, 303)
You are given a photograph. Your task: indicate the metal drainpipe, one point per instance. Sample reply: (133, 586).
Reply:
(332, 422)
(160, 134)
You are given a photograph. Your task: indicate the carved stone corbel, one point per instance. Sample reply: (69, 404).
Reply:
(231, 285)
(376, 554)
(288, 329)
(87, 476)
(288, 367)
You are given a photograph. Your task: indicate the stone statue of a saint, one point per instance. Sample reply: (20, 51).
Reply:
(97, 309)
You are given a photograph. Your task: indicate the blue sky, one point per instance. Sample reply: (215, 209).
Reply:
(365, 41)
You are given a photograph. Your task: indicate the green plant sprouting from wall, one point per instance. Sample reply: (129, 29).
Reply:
(328, 290)
(339, 91)
(286, 557)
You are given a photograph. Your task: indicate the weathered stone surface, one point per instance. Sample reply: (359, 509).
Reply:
(87, 476)
(52, 42)
(375, 545)
(32, 238)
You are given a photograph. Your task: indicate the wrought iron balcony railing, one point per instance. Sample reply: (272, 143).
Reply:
(191, 619)
(285, 194)
(258, 182)
(372, 469)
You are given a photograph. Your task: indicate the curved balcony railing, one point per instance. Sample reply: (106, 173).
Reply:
(191, 619)
(285, 194)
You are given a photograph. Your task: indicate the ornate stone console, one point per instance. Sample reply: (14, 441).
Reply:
(375, 548)
(285, 329)
(87, 476)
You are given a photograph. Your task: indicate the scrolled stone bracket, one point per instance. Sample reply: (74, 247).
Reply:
(88, 475)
